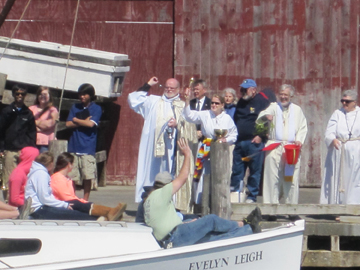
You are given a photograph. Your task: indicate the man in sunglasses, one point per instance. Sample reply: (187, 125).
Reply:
(289, 127)
(17, 130)
(248, 143)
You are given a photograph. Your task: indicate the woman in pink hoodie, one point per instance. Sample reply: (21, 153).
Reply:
(18, 177)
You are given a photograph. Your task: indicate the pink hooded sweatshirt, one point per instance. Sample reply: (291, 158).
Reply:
(18, 177)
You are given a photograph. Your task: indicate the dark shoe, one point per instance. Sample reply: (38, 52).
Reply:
(25, 209)
(294, 217)
(272, 218)
(254, 220)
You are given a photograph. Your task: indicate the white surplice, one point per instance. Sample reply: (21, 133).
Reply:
(209, 122)
(341, 182)
(293, 127)
(148, 164)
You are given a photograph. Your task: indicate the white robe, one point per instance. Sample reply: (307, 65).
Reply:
(275, 186)
(333, 189)
(148, 164)
(209, 121)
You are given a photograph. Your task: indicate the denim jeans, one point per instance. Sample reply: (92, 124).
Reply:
(80, 206)
(243, 149)
(54, 213)
(206, 229)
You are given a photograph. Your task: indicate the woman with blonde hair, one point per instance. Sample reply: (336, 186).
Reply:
(212, 119)
(46, 116)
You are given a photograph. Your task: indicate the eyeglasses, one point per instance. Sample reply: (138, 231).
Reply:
(216, 103)
(347, 101)
(20, 93)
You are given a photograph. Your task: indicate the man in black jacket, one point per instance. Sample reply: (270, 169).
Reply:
(248, 142)
(17, 130)
(200, 102)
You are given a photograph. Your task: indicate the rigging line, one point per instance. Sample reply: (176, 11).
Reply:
(68, 57)
(16, 27)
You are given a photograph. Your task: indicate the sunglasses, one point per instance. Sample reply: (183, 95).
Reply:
(216, 103)
(20, 94)
(346, 101)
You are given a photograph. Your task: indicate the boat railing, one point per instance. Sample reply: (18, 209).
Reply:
(63, 223)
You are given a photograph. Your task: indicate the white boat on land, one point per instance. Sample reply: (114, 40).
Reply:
(118, 245)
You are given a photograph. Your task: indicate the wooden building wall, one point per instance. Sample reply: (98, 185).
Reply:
(141, 29)
(312, 44)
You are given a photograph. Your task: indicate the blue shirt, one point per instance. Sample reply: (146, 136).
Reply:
(83, 139)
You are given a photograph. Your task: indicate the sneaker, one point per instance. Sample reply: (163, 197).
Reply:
(25, 209)
(250, 201)
(254, 219)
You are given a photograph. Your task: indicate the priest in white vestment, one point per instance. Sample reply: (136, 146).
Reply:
(341, 182)
(288, 126)
(163, 123)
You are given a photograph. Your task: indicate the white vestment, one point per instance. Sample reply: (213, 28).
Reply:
(341, 182)
(156, 151)
(209, 122)
(294, 128)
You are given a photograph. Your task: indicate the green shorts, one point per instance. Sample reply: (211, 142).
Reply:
(84, 168)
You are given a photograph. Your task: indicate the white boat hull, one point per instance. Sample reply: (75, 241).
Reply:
(133, 247)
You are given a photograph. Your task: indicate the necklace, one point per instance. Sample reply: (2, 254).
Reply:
(350, 130)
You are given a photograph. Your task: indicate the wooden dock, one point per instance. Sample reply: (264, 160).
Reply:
(327, 242)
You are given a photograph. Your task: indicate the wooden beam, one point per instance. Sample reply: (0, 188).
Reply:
(243, 209)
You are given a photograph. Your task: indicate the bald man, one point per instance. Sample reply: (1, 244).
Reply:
(163, 123)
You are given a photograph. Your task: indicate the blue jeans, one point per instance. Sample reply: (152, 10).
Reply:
(206, 229)
(243, 149)
(54, 213)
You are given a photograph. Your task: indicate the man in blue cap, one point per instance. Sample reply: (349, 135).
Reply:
(248, 142)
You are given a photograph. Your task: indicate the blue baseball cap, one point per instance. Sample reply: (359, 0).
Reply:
(247, 83)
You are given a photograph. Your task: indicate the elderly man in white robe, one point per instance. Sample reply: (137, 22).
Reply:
(163, 123)
(341, 182)
(288, 126)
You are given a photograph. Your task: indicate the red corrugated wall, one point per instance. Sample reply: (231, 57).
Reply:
(312, 44)
(141, 29)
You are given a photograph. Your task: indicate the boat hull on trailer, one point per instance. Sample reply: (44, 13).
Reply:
(132, 246)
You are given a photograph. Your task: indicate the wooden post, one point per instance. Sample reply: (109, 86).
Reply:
(205, 197)
(56, 147)
(220, 179)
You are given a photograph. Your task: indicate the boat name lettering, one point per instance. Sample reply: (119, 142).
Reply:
(248, 257)
(209, 264)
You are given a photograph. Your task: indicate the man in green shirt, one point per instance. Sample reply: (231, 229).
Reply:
(168, 227)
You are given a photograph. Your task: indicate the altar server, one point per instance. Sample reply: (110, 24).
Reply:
(341, 183)
(288, 126)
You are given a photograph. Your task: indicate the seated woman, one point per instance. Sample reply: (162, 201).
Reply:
(44, 204)
(63, 189)
(18, 177)
(46, 116)
(8, 211)
(215, 118)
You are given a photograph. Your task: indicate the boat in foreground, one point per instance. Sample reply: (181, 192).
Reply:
(45, 244)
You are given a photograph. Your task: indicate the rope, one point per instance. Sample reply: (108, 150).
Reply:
(17, 26)
(68, 58)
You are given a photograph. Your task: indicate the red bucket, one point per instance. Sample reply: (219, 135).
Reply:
(292, 152)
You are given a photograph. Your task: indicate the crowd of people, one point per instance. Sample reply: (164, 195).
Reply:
(25, 134)
(262, 126)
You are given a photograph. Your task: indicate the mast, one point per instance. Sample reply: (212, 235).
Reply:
(5, 11)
